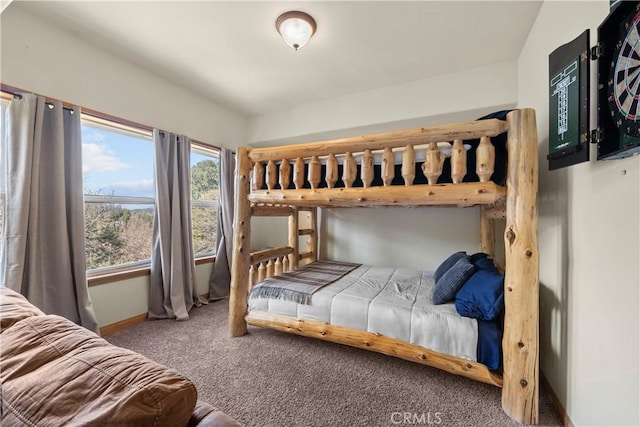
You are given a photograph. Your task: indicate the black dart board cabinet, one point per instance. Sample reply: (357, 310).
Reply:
(618, 56)
(569, 103)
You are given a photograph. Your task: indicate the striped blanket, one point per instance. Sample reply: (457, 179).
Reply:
(300, 284)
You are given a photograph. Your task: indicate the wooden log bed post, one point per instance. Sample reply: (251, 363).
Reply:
(487, 232)
(241, 247)
(293, 239)
(520, 341)
(312, 239)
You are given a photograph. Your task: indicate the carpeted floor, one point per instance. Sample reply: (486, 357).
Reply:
(273, 379)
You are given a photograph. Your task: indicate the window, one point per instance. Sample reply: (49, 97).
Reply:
(117, 166)
(205, 173)
(118, 186)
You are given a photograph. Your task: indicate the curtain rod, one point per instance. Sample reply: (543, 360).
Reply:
(15, 92)
(14, 95)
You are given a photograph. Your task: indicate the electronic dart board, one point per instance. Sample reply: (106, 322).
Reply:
(618, 55)
(624, 78)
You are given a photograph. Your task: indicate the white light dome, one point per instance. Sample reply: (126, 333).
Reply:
(296, 28)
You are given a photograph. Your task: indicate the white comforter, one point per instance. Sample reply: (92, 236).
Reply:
(393, 302)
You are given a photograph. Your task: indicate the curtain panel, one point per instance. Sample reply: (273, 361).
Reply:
(172, 291)
(220, 283)
(43, 235)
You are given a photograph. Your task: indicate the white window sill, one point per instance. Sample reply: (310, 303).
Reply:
(101, 276)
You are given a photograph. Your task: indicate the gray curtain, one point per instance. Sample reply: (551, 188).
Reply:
(43, 235)
(220, 282)
(172, 291)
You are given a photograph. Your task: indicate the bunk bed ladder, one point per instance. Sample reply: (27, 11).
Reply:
(309, 220)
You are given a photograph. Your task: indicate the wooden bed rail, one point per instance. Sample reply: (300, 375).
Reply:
(358, 144)
(268, 263)
(289, 169)
(258, 257)
(431, 168)
(268, 210)
(376, 342)
(463, 195)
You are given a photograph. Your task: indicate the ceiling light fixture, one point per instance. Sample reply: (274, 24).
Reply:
(296, 28)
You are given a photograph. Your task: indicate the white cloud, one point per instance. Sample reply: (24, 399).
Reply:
(92, 137)
(143, 184)
(96, 158)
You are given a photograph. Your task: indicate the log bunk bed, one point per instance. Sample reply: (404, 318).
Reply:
(515, 201)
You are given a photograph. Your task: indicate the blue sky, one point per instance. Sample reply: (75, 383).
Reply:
(118, 163)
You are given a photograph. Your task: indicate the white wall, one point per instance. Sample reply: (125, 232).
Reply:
(120, 300)
(124, 299)
(37, 56)
(399, 237)
(589, 240)
(268, 232)
(464, 95)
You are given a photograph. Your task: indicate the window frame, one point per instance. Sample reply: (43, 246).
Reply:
(120, 272)
(136, 268)
(210, 152)
(4, 102)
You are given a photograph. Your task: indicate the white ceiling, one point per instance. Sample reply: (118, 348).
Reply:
(231, 53)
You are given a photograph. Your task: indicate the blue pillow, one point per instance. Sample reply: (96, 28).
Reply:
(447, 264)
(482, 296)
(452, 280)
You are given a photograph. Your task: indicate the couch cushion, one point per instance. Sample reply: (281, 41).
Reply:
(56, 373)
(205, 415)
(14, 307)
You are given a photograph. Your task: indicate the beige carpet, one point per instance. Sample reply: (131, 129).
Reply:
(273, 379)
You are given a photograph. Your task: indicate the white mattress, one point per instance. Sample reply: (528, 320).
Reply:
(393, 302)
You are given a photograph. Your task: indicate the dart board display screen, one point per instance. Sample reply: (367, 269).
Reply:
(619, 82)
(569, 103)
